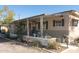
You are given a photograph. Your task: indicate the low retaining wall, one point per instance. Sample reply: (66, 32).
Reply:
(43, 41)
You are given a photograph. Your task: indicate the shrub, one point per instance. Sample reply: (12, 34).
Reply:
(54, 45)
(36, 43)
(76, 41)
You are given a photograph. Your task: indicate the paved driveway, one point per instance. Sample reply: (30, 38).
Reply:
(71, 49)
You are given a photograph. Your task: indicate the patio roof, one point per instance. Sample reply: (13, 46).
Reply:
(60, 14)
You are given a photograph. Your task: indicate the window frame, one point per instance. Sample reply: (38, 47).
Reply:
(75, 22)
(60, 22)
(45, 25)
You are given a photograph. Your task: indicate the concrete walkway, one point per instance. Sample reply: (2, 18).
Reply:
(71, 49)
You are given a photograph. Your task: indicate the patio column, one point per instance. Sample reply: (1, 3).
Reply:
(27, 27)
(68, 26)
(41, 25)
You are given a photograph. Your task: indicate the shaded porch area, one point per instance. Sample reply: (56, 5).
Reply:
(35, 26)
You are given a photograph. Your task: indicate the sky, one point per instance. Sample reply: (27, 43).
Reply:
(24, 11)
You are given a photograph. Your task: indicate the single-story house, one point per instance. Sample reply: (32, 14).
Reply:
(55, 25)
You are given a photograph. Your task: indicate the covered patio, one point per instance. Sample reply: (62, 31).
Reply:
(34, 26)
(38, 26)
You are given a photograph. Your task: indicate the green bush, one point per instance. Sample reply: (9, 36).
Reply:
(54, 45)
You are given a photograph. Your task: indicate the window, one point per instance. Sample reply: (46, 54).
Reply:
(38, 25)
(74, 22)
(62, 22)
(58, 22)
(45, 25)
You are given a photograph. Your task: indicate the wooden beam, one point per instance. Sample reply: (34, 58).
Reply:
(27, 27)
(41, 25)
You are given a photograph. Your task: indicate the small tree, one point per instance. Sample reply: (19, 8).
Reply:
(6, 15)
(19, 29)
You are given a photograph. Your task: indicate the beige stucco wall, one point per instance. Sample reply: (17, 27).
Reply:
(58, 31)
(68, 29)
(73, 30)
(66, 22)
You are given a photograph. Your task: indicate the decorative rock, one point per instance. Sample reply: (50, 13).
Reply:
(52, 40)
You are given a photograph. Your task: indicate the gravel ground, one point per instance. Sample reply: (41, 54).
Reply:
(16, 47)
(9, 46)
